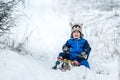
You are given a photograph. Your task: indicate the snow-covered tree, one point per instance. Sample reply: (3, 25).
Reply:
(9, 19)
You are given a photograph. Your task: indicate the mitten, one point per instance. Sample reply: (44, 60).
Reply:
(83, 55)
(66, 50)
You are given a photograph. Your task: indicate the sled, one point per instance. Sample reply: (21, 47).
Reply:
(66, 64)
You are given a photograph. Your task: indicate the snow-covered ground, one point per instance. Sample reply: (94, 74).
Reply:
(47, 22)
(18, 67)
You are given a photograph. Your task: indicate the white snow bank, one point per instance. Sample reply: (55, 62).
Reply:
(17, 67)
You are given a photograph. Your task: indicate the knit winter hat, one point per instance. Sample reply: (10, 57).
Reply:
(76, 27)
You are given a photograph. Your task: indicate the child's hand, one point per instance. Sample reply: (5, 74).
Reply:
(83, 55)
(66, 50)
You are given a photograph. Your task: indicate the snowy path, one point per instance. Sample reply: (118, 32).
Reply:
(17, 67)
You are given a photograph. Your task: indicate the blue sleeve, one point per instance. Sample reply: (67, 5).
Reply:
(87, 48)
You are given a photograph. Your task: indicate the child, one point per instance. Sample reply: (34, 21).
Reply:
(76, 48)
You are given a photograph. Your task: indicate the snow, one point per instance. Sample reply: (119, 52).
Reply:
(16, 67)
(47, 23)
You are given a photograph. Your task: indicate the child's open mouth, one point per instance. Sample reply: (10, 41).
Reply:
(76, 35)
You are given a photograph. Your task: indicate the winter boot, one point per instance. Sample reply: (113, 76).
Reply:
(57, 63)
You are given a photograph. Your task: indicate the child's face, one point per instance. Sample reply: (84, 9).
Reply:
(76, 34)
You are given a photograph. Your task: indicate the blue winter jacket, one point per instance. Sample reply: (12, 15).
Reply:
(77, 46)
